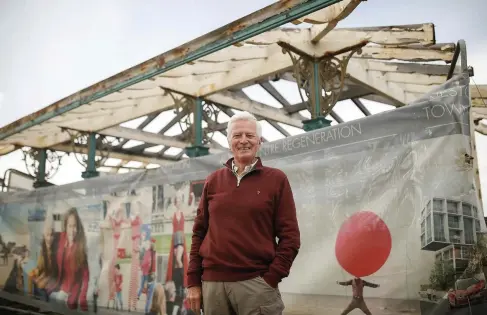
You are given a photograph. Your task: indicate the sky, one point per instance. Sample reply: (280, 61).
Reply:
(51, 49)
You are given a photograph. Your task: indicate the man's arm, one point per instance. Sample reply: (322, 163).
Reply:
(200, 227)
(287, 230)
(349, 282)
(369, 284)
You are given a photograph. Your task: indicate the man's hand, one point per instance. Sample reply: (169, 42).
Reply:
(195, 299)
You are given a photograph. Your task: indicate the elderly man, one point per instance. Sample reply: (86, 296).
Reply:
(235, 264)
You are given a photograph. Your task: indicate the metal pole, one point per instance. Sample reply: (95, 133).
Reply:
(316, 89)
(41, 169)
(198, 122)
(91, 162)
(197, 148)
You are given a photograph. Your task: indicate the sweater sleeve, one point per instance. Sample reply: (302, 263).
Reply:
(287, 230)
(200, 227)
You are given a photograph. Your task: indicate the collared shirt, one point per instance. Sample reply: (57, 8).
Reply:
(246, 170)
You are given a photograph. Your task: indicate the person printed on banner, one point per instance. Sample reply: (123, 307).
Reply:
(96, 289)
(157, 301)
(28, 264)
(47, 269)
(148, 268)
(135, 223)
(151, 279)
(118, 288)
(170, 290)
(177, 265)
(145, 237)
(115, 220)
(357, 295)
(235, 262)
(15, 282)
(71, 285)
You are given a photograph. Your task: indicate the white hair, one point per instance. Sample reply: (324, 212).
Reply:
(243, 116)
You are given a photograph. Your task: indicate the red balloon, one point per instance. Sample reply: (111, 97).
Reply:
(363, 244)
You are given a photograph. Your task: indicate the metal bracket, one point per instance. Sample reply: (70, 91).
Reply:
(322, 78)
(187, 105)
(80, 140)
(42, 163)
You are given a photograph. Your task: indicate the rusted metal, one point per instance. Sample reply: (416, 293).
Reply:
(256, 23)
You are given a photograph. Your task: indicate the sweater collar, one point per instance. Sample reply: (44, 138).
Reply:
(257, 165)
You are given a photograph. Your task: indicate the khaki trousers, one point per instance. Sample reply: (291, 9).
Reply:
(249, 297)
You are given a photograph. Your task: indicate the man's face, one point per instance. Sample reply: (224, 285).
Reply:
(244, 142)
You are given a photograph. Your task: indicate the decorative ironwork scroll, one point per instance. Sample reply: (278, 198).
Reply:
(186, 106)
(331, 77)
(32, 159)
(80, 143)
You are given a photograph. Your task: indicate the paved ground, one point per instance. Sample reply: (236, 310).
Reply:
(319, 304)
(331, 305)
(443, 309)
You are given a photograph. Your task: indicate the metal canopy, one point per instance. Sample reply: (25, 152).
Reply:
(137, 107)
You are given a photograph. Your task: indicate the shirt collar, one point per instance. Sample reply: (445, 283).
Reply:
(247, 167)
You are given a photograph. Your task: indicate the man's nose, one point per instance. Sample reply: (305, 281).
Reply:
(243, 139)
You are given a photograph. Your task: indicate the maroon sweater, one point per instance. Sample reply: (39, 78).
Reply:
(235, 230)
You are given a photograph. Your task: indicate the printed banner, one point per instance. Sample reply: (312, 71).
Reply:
(387, 206)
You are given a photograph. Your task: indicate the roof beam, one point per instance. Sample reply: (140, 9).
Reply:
(148, 137)
(331, 16)
(423, 34)
(438, 52)
(361, 106)
(232, 100)
(251, 25)
(272, 61)
(416, 68)
(113, 154)
(269, 88)
(242, 94)
(326, 15)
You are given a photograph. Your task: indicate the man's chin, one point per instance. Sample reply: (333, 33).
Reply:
(245, 157)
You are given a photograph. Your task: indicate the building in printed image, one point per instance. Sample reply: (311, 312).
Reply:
(445, 222)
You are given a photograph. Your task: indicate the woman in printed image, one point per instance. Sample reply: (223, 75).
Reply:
(135, 223)
(46, 271)
(116, 221)
(178, 258)
(71, 284)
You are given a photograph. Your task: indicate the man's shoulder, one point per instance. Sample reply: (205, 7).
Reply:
(218, 173)
(274, 172)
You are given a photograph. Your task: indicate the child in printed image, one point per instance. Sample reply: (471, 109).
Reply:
(118, 287)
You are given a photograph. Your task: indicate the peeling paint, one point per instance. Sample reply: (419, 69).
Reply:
(263, 20)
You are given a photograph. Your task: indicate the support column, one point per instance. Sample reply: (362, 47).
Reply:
(41, 169)
(197, 149)
(91, 162)
(322, 78)
(318, 120)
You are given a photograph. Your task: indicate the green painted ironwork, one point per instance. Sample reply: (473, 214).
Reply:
(316, 123)
(91, 162)
(41, 169)
(197, 149)
(292, 14)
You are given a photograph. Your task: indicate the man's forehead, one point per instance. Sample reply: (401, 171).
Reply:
(245, 127)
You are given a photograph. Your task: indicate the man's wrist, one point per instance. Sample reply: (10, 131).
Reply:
(194, 280)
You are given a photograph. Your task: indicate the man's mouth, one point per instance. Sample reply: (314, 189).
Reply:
(244, 149)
